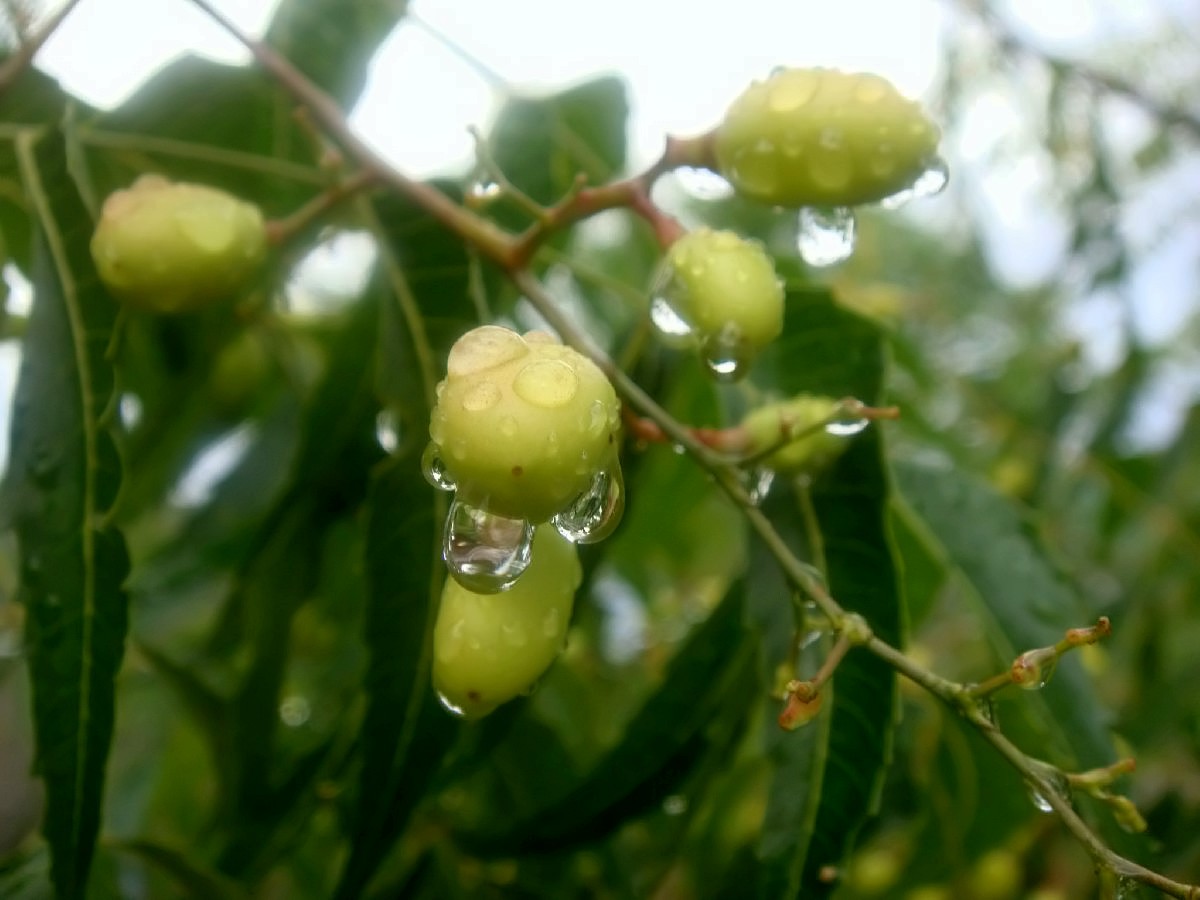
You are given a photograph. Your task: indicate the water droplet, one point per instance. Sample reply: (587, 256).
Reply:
(1039, 801)
(552, 623)
(726, 353)
(483, 191)
(547, 383)
(450, 706)
(703, 184)
(514, 634)
(667, 319)
(210, 229)
(595, 513)
(1038, 675)
(434, 469)
(847, 425)
(760, 481)
(675, 805)
(484, 347)
(387, 430)
(826, 236)
(1127, 889)
(871, 89)
(484, 552)
(482, 395)
(508, 426)
(129, 410)
(928, 184)
(295, 710)
(792, 90)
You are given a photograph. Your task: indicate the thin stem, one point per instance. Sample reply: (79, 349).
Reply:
(22, 57)
(280, 231)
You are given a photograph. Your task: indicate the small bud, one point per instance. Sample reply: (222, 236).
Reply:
(1126, 814)
(800, 707)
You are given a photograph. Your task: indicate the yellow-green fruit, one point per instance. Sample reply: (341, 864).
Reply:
(172, 247)
(488, 648)
(523, 424)
(820, 137)
(800, 423)
(726, 290)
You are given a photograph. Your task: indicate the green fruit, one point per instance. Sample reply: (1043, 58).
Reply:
(724, 288)
(523, 425)
(819, 137)
(800, 423)
(489, 648)
(171, 247)
(237, 376)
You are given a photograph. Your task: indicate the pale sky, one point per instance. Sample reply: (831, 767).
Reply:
(683, 67)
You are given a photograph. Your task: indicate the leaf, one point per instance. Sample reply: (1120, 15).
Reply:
(828, 777)
(332, 41)
(663, 742)
(63, 478)
(194, 880)
(542, 143)
(997, 552)
(404, 732)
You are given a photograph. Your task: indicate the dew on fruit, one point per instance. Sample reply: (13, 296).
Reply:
(484, 552)
(481, 396)
(484, 347)
(210, 230)
(514, 634)
(597, 418)
(546, 383)
(871, 89)
(703, 184)
(508, 426)
(129, 410)
(434, 469)
(387, 430)
(826, 235)
(929, 183)
(668, 321)
(595, 513)
(552, 622)
(792, 91)
(450, 706)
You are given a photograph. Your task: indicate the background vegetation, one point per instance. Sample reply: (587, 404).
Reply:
(243, 600)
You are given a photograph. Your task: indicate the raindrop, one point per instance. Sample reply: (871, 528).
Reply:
(760, 481)
(1126, 889)
(726, 353)
(295, 710)
(1039, 801)
(434, 469)
(483, 191)
(1040, 676)
(129, 409)
(450, 706)
(826, 236)
(387, 430)
(485, 553)
(675, 805)
(667, 319)
(703, 184)
(847, 425)
(928, 184)
(595, 513)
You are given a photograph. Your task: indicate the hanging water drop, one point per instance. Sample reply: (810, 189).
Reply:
(1038, 675)
(703, 184)
(483, 191)
(595, 513)
(726, 353)
(668, 321)
(847, 424)
(759, 484)
(434, 469)
(1126, 889)
(387, 430)
(485, 553)
(1039, 801)
(933, 180)
(449, 706)
(826, 236)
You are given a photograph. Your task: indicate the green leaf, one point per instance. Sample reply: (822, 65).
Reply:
(62, 480)
(997, 552)
(667, 737)
(404, 731)
(828, 776)
(194, 880)
(332, 41)
(541, 144)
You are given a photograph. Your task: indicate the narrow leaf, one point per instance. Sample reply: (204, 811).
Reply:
(64, 476)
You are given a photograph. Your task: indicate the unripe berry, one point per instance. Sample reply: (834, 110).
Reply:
(173, 247)
(797, 427)
(819, 137)
(523, 425)
(488, 648)
(724, 289)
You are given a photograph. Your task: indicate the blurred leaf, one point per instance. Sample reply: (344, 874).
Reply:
(193, 880)
(664, 741)
(994, 548)
(332, 41)
(404, 731)
(62, 480)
